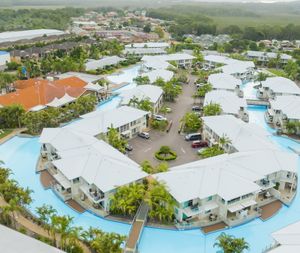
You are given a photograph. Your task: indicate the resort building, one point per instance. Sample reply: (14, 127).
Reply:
(223, 81)
(277, 86)
(214, 60)
(127, 120)
(282, 110)
(4, 59)
(230, 188)
(162, 45)
(141, 51)
(163, 61)
(13, 241)
(265, 57)
(28, 34)
(85, 169)
(163, 74)
(142, 92)
(243, 70)
(230, 103)
(38, 94)
(88, 78)
(102, 63)
(287, 239)
(243, 136)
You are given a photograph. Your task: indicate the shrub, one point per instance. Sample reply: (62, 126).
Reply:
(166, 157)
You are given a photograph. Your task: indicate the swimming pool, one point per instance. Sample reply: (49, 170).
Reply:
(21, 154)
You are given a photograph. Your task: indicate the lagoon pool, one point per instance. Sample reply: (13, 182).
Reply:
(21, 154)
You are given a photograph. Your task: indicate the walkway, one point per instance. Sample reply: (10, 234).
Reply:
(213, 228)
(270, 209)
(46, 179)
(137, 229)
(75, 206)
(12, 134)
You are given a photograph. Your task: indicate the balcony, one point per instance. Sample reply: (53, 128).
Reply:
(94, 196)
(266, 184)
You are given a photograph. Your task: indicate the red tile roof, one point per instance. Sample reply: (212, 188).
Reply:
(34, 92)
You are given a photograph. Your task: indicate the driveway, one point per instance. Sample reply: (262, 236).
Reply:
(144, 149)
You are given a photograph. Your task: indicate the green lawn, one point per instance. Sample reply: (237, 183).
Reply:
(5, 133)
(278, 72)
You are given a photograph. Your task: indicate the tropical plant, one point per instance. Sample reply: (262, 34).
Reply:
(201, 92)
(165, 154)
(191, 122)
(223, 141)
(261, 76)
(127, 199)
(212, 109)
(171, 90)
(230, 244)
(212, 151)
(150, 169)
(145, 105)
(114, 139)
(45, 212)
(292, 69)
(141, 80)
(11, 116)
(161, 204)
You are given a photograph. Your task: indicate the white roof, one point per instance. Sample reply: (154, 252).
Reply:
(28, 34)
(224, 81)
(243, 136)
(106, 61)
(12, 241)
(289, 105)
(229, 101)
(268, 54)
(83, 76)
(219, 59)
(228, 175)
(153, 75)
(99, 164)
(58, 102)
(142, 50)
(94, 87)
(151, 92)
(148, 45)
(281, 85)
(98, 122)
(238, 67)
(37, 108)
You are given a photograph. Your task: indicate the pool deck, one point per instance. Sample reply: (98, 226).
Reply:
(12, 134)
(270, 209)
(213, 228)
(75, 206)
(46, 179)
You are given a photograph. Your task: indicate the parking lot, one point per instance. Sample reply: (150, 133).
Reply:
(144, 149)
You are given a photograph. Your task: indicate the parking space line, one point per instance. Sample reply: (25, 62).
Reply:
(148, 149)
(183, 151)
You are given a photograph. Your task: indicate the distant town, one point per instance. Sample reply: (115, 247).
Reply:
(123, 133)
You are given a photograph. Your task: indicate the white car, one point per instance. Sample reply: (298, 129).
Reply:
(159, 117)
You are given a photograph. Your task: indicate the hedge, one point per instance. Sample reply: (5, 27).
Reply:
(171, 156)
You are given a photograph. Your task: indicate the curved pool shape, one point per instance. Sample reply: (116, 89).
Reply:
(21, 154)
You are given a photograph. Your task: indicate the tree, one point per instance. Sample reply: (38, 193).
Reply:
(45, 213)
(292, 70)
(145, 105)
(165, 150)
(191, 122)
(159, 31)
(141, 80)
(261, 77)
(114, 139)
(127, 199)
(147, 28)
(223, 141)
(212, 109)
(5, 80)
(212, 151)
(171, 91)
(161, 203)
(230, 244)
(201, 92)
(11, 115)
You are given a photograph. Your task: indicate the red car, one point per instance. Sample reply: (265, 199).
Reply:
(199, 144)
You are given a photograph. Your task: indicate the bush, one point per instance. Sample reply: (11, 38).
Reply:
(166, 157)
(159, 125)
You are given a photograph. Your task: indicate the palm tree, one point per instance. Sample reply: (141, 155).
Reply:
(261, 77)
(212, 109)
(45, 213)
(223, 141)
(230, 244)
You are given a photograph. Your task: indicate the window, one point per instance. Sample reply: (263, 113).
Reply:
(233, 200)
(76, 180)
(209, 198)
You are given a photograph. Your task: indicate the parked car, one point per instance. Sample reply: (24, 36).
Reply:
(144, 135)
(196, 108)
(198, 85)
(199, 144)
(159, 117)
(128, 147)
(201, 150)
(193, 137)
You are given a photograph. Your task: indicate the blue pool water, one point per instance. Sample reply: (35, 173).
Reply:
(21, 154)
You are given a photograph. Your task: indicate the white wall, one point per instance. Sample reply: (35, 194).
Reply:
(4, 58)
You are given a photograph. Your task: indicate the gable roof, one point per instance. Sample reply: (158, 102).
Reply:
(224, 81)
(281, 85)
(289, 105)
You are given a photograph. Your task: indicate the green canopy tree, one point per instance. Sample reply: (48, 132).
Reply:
(191, 122)
(212, 109)
(115, 140)
(230, 244)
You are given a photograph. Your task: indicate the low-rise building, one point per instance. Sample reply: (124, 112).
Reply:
(13, 241)
(282, 110)
(230, 103)
(287, 239)
(277, 86)
(127, 120)
(227, 82)
(88, 78)
(102, 63)
(265, 57)
(163, 74)
(86, 169)
(242, 136)
(243, 70)
(230, 188)
(38, 94)
(141, 51)
(4, 59)
(162, 45)
(151, 92)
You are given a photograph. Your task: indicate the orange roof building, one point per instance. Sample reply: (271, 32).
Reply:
(37, 93)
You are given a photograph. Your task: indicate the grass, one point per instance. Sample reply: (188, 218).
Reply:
(5, 133)
(277, 72)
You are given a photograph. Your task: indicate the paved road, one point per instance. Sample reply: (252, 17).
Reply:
(145, 149)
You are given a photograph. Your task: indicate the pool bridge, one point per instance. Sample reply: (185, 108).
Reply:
(253, 101)
(136, 229)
